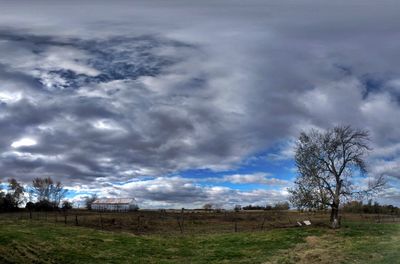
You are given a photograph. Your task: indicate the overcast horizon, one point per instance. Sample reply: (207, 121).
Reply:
(182, 103)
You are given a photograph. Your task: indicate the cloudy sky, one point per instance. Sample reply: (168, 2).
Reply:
(180, 103)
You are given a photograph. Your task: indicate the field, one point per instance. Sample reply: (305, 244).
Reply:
(229, 238)
(173, 222)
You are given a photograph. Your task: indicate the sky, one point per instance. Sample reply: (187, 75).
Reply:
(182, 103)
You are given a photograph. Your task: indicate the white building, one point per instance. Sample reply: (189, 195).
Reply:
(115, 204)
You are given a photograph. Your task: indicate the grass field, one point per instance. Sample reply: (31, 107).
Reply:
(174, 222)
(26, 241)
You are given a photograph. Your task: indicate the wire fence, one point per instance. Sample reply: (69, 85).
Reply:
(190, 221)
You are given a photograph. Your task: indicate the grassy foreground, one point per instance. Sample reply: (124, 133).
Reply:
(24, 242)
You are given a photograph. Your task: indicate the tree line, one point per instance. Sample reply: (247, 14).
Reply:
(370, 208)
(278, 206)
(44, 194)
(238, 207)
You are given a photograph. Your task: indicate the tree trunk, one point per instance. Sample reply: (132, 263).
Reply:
(335, 221)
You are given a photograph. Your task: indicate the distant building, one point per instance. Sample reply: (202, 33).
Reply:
(115, 204)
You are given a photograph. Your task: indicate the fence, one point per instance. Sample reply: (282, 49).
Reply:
(187, 221)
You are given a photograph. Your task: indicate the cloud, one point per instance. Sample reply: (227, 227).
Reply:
(178, 192)
(388, 168)
(254, 178)
(23, 142)
(120, 92)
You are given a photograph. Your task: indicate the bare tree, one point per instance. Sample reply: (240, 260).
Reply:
(41, 188)
(46, 189)
(89, 200)
(16, 191)
(208, 206)
(57, 193)
(326, 162)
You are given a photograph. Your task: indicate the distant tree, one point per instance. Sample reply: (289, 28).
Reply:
(237, 208)
(353, 207)
(208, 206)
(30, 206)
(370, 208)
(58, 193)
(326, 162)
(268, 207)
(281, 206)
(253, 207)
(16, 191)
(7, 202)
(66, 205)
(14, 196)
(45, 189)
(41, 187)
(45, 205)
(89, 200)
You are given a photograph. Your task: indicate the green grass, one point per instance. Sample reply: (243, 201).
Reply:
(373, 243)
(24, 242)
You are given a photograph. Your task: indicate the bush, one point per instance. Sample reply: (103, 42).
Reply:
(7, 203)
(45, 205)
(66, 205)
(30, 206)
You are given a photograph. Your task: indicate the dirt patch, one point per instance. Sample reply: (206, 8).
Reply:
(313, 241)
(322, 250)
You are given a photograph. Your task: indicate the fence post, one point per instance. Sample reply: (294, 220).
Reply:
(235, 220)
(182, 218)
(263, 222)
(101, 221)
(179, 224)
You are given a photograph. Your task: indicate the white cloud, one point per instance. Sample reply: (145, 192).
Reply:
(23, 142)
(256, 178)
(178, 192)
(10, 97)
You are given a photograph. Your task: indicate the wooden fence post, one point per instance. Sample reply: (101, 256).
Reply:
(182, 218)
(263, 222)
(101, 221)
(235, 220)
(179, 224)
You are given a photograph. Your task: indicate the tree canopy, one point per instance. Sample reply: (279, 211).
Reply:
(327, 163)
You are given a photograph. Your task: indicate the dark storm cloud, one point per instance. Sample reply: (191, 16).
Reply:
(135, 89)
